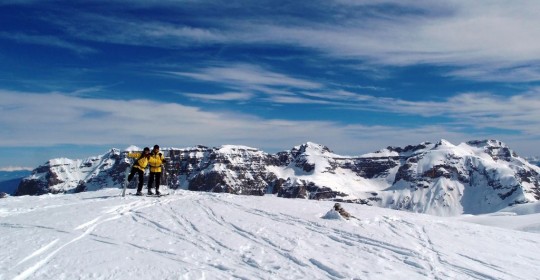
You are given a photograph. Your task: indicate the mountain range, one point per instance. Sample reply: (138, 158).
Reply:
(475, 177)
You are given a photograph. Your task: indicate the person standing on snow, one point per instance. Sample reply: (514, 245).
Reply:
(138, 167)
(155, 161)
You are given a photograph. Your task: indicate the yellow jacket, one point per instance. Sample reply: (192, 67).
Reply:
(155, 161)
(141, 162)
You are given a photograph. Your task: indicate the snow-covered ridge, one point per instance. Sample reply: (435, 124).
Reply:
(436, 178)
(63, 175)
(198, 235)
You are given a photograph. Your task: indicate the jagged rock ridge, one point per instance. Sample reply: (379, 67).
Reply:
(437, 178)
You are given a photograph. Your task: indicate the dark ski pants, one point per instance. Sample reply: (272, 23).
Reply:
(135, 170)
(157, 177)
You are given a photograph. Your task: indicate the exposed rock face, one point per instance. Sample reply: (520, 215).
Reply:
(231, 169)
(437, 178)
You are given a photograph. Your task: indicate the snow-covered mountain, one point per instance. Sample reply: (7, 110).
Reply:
(436, 178)
(201, 235)
(66, 175)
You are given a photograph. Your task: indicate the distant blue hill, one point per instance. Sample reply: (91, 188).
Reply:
(9, 180)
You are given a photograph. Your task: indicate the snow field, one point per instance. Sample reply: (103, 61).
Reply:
(193, 235)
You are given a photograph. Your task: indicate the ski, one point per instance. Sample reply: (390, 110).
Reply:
(150, 195)
(125, 181)
(156, 195)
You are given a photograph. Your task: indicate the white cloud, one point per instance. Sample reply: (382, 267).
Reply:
(515, 112)
(461, 40)
(15, 168)
(475, 110)
(282, 99)
(248, 76)
(51, 119)
(118, 30)
(226, 96)
(247, 80)
(487, 73)
(46, 40)
(470, 35)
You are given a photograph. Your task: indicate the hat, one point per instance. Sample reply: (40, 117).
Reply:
(146, 149)
(156, 147)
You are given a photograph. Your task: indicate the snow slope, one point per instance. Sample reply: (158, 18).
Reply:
(200, 235)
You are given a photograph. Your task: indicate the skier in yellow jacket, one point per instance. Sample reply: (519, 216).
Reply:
(138, 167)
(155, 161)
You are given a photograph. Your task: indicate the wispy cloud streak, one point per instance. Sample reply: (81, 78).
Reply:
(45, 40)
(248, 75)
(472, 36)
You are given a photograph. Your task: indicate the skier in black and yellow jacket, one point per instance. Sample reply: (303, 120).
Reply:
(155, 161)
(138, 167)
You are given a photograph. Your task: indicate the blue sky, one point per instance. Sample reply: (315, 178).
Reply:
(80, 77)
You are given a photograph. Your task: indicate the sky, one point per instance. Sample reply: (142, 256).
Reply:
(80, 77)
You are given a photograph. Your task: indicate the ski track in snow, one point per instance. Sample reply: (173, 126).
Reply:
(212, 229)
(38, 252)
(107, 215)
(345, 238)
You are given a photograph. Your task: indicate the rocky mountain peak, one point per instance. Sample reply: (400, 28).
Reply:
(312, 157)
(496, 149)
(310, 148)
(443, 144)
(487, 143)
(409, 149)
(236, 149)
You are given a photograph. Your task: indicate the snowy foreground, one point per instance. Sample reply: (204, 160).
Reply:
(196, 235)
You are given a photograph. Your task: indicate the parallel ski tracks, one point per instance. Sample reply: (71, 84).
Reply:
(40, 257)
(263, 249)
